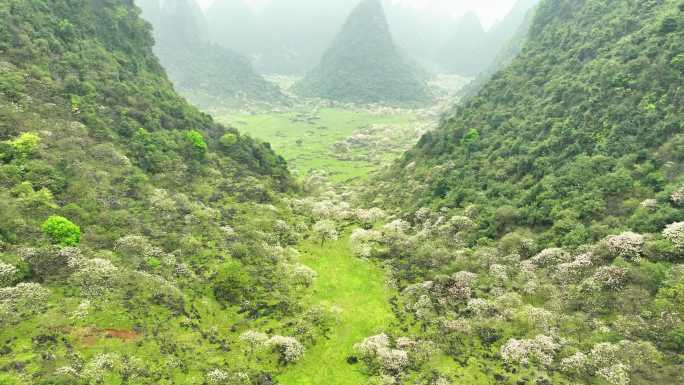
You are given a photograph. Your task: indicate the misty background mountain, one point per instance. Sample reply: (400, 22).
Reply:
(291, 36)
(204, 71)
(363, 65)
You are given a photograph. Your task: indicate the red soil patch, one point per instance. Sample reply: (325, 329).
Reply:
(90, 335)
(125, 335)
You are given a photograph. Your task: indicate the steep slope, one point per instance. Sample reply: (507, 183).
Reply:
(363, 65)
(471, 50)
(181, 21)
(465, 52)
(580, 128)
(420, 28)
(206, 73)
(132, 226)
(297, 33)
(501, 33)
(233, 25)
(507, 52)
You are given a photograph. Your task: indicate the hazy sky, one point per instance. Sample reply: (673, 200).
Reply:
(489, 11)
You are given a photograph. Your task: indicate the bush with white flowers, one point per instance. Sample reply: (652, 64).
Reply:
(368, 217)
(97, 368)
(254, 339)
(575, 364)
(539, 317)
(610, 277)
(570, 272)
(362, 242)
(617, 374)
(380, 355)
(604, 354)
(217, 377)
(541, 349)
(649, 204)
(303, 275)
(134, 246)
(393, 360)
(95, 277)
(371, 345)
(677, 197)
(674, 233)
(460, 286)
(396, 227)
(460, 223)
(8, 274)
(22, 300)
(289, 349)
(549, 257)
(628, 245)
(326, 230)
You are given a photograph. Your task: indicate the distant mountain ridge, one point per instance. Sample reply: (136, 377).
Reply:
(466, 52)
(470, 50)
(205, 72)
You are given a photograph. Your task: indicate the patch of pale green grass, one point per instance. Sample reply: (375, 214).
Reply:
(307, 146)
(356, 288)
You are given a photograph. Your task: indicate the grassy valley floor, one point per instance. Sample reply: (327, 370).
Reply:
(355, 290)
(306, 137)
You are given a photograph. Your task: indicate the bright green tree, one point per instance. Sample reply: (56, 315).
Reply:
(62, 231)
(196, 140)
(25, 145)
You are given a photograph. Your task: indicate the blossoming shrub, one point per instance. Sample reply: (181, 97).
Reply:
(8, 274)
(288, 348)
(21, 301)
(675, 233)
(326, 230)
(541, 350)
(628, 245)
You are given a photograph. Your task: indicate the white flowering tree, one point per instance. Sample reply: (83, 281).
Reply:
(627, 245)
(22, 300)
(302, 275)
(95, 277)
(8, 274)
(541, 350)
(675, 233)
(368, 217)
(326, 230)
(677, 197)
(217, 377)
(380, 356)
(363, 242)
(288, 348)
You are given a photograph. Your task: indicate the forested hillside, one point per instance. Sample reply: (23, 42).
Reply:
(573, 135)
(539, 232)
(128, 219)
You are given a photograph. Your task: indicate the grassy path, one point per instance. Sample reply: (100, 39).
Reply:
(355, 287)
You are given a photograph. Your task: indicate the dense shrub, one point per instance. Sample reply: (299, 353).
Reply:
(62, 231)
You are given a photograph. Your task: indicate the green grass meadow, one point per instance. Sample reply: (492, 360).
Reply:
(306, 145)
(356, 290)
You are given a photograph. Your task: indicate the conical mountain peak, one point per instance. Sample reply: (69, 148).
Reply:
(363, 65)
